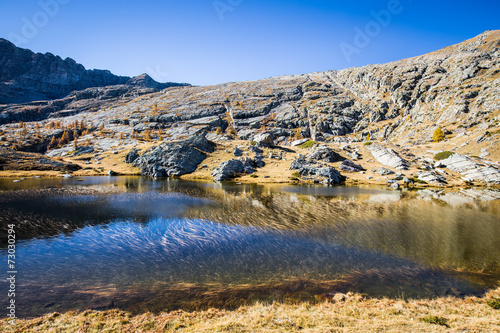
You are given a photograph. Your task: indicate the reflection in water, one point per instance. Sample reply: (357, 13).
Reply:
(153, 245)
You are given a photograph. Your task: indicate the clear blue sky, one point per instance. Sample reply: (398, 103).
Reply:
(192, 41)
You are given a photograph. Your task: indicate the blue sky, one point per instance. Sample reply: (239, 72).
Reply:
(215, 41)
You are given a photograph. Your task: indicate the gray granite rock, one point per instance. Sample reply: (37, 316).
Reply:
(264, 140)
(432, 177)
(350, 166)
(385, 171)
(471, 170)
(387, 157)
(324, 154)
(237, 152)
(132, 155)
(174, 158)
(298, 142)
(230, 169)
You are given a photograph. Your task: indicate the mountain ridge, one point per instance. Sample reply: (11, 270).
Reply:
(398, 105)
(26, 76)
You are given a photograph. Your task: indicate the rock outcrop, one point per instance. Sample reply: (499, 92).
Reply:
(131, 156)
(396, 105)
(230, 169)
(174, 158)
(321, 173)
(471, 170)
(387, 157)
(324, 154)
(432, 177)
(350, 166)
(26, 76)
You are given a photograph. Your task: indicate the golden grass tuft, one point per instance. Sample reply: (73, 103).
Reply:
(349, 313)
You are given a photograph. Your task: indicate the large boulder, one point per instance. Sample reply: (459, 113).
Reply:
(331, 175)
(325, 154)
(174, 158)
(385, 171)
(132, 155)
(230, 169)
(387, 157)
(350, 166)
(299, 163)
(264, 140)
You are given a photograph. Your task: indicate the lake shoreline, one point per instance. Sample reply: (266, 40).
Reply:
(351, 181)
(351, 312)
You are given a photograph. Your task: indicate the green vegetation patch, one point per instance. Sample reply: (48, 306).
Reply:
(367, 143)
(418, 181)
(443, 155)
(436, 320)
(494, 303)
(308, 144)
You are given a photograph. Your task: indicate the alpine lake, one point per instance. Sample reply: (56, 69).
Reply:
(157, 245)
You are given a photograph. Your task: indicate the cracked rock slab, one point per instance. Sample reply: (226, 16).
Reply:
(471, 170)
(388, 157)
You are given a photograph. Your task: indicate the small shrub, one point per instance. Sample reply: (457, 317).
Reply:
(442, 155)
(438, 135)
(254, 176)
(418, 181)
(436, 320)
(494, 303)
(368, 143)
(296, 175)
(253, 143)
(308, 144)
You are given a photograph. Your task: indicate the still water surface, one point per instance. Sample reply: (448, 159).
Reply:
(144, 245)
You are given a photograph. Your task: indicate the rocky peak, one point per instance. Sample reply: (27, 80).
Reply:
(26, 76)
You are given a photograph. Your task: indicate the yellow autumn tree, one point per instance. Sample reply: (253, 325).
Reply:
(438, 135)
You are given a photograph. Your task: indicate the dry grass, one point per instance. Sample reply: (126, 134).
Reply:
(343, 313)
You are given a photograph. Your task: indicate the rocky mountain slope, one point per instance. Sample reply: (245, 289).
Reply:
(397, 106)
(26, 76)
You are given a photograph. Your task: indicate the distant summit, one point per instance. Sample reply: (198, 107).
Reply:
(26, 76)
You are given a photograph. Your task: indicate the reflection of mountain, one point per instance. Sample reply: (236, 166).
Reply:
(51, 212)
(126, 256)
(419, 226)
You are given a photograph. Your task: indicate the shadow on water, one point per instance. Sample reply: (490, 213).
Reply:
(143, 245)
